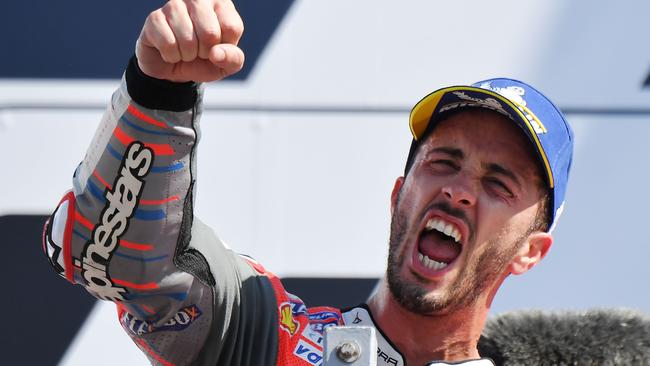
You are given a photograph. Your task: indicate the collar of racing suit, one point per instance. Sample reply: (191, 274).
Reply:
(387, 353)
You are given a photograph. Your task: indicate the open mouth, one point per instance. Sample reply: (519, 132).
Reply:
(439, 244)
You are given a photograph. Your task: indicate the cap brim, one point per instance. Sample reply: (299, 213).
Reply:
(433, 104)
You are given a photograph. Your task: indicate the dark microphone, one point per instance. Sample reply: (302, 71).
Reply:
(592, 337)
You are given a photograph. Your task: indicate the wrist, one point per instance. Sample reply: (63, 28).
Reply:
(159, 94)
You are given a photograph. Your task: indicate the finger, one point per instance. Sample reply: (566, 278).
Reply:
(227, 57)
(150, 62)
(157, 33)
(181, 24)
(206, 27)
(232, 26)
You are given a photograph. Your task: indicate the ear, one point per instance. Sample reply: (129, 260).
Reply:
(399, 182)
(531, 252)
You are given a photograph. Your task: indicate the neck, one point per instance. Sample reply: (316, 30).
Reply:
(451, 336)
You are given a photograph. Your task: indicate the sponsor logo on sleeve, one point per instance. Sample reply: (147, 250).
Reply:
(287, 321)
(308, 353)
(319, 321)
(181, 320)
(320, 327)
(313, 336)
(324, 317)
(114, 220)
(297, 306)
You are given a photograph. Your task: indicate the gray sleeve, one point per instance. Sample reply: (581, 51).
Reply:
(126, 233)
(245, 306)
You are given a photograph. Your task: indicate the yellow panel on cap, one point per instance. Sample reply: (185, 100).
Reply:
(421, 113)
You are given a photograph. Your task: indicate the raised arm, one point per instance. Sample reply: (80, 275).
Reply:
(126, 230)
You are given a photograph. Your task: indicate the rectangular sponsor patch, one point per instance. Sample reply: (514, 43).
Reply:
(309, 353)
(181, 320)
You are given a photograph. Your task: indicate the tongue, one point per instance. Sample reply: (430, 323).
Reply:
(439, 247)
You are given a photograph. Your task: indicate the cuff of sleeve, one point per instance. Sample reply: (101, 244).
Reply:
(160, 94)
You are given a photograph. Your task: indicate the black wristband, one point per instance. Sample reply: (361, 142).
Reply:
(160, 94)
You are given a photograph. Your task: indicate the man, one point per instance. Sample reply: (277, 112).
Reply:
(484, 182)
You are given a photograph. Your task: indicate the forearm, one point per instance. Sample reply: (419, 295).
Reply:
(126, 231)
(132, 191)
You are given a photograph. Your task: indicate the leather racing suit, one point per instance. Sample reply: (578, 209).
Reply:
(126, 232)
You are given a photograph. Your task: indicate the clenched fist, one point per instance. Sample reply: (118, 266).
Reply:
(191, 40)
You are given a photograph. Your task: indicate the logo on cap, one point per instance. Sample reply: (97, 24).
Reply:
(516, 95)
(469, 101)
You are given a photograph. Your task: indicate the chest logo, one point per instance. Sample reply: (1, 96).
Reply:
(287, 322)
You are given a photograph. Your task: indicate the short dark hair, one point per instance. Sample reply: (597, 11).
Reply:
(543, 215)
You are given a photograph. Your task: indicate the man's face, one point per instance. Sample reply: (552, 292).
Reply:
(462, 213)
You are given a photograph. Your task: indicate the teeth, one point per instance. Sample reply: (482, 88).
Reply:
(448, 229)
(430, 263)
(445, 228)
(456, 235)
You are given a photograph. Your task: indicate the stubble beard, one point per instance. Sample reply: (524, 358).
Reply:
(472, 282)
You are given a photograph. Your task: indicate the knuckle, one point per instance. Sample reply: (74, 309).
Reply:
(156, 17)
(232, 28)
(218, 5)
(209, 34)
(174, 6)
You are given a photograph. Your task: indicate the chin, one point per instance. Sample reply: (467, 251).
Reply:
(418, 296)
(413, 284)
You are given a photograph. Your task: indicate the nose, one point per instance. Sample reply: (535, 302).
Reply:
(460, 192)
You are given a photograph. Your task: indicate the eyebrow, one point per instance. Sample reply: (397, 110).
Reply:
(452, 151)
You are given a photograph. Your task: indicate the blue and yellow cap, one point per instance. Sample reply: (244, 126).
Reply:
(541, 121)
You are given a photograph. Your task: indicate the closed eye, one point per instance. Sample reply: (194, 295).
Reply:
(499, 186)
(445, 163)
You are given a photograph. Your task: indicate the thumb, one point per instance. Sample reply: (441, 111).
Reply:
(227, 57)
